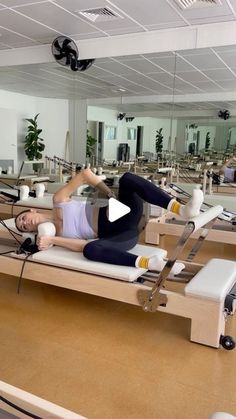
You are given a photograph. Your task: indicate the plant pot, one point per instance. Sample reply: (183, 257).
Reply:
(37, 167)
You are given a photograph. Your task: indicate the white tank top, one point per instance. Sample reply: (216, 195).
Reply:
(229, 174)
(77, 219)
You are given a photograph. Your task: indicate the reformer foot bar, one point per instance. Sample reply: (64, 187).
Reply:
(207, 299)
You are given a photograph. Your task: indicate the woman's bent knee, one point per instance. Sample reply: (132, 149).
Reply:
(92, 250)
(126, 176)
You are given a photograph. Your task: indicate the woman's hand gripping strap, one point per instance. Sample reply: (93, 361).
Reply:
(38, 241)
(46, 231)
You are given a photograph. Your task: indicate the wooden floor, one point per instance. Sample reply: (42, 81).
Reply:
(109, 360)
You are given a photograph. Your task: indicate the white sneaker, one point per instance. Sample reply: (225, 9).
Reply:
(193, 206)
(156, 263)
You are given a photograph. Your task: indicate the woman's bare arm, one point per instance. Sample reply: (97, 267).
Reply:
(228, 163)
(85, 176)
(64, 193)
(76, 245)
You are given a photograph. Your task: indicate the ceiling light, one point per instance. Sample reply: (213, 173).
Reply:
(118, 90)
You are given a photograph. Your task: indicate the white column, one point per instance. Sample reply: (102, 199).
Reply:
(221, 137)
(78, 130)
(180, 138)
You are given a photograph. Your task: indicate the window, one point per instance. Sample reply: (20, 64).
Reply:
(131, 133)
(110, 132)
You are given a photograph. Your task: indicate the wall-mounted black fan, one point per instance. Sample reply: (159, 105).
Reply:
(66, 53)
(224, 114)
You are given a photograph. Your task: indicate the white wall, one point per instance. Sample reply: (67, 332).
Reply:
(53, 120)
(232, 136)
(182, 143)
(109, 117)
(8, 137)
(203, 130)
(154, 124)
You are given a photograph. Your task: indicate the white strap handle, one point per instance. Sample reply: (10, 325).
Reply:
(24, 192)
(46, 229)
(39, 189)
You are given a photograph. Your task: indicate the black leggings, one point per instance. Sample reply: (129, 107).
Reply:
(116, 238)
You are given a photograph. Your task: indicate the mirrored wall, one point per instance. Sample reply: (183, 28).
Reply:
(196, 118)
(140, 106)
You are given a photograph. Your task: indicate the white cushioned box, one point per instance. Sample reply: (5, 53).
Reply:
(214, 280)
(45, 202)
(58, 256)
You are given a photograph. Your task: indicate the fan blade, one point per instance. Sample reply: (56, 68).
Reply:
(57, 45)
(73, 52)
(60, 56)
(68, 59)
(85, 64)
(66, 42)
(74, 64)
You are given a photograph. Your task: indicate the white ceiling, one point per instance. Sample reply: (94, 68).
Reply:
(195, 72)
(35, 22)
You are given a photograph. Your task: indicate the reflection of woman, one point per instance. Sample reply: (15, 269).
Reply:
(77, 222)
(228, 171)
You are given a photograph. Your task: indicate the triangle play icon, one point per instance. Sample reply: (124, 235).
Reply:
(116, 209)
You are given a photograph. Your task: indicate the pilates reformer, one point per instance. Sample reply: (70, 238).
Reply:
(207, 298)
(168, 224)
(156, 228)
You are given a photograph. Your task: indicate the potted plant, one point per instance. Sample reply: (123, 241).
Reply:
(208, 140)
(159, 141)
(90, 146)
(34, 143)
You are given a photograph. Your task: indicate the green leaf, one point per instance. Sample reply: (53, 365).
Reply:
(33, 142)
(31, 121)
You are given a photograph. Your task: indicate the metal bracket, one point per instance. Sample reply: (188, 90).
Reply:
(229, 300)
(200, 240)
(150, 300)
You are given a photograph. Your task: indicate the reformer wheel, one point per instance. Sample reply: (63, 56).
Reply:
(227, 342)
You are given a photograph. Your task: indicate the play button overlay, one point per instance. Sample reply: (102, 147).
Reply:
(116, 210)
(111, 209)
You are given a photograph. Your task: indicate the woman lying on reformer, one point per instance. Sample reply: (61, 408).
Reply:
(77, 222)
